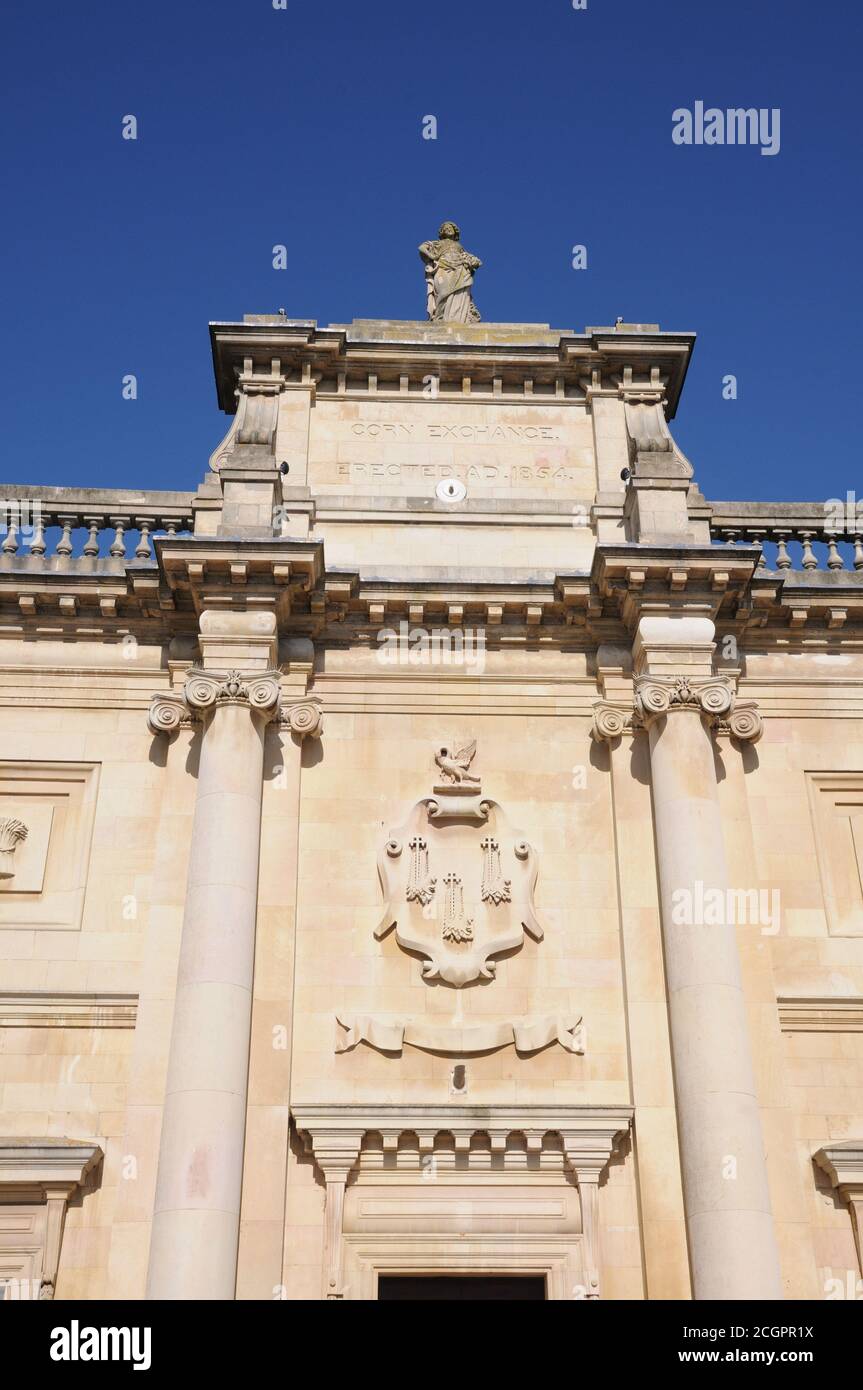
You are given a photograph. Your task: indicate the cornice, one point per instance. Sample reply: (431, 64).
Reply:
(47, 1164)
(110, 599)
(843, 1164)
(636, 578)
(577, 364)
(592, 1129)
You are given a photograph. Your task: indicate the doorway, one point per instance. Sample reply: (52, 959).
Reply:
(461, 1288)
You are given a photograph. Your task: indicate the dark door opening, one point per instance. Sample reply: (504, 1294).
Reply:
(431, 1288)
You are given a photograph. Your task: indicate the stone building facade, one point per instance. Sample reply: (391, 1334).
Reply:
(433, 847)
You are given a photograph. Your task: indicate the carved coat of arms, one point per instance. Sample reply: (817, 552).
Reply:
(458, 881)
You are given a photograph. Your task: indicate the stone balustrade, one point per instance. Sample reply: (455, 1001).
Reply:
(795, 535)
(62, 524)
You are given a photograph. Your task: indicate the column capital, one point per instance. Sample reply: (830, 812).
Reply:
(613, 719)
(655, 697)
(168, 710)
(305, 718)
(205, 691)
(258, 691)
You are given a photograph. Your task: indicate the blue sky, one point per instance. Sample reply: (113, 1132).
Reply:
(302, 126)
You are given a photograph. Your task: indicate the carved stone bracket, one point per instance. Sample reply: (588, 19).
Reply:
(656, 697)
(334, 1134)
(646, 425)
(649, 435)
(587, 1154)
(843, 1164)
(252, 434)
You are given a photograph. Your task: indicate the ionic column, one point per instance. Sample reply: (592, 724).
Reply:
(732, 1245)
(193, 1251)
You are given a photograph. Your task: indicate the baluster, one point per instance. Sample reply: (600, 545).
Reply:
(171, 526)
(858, 553)
(783, 559)
(91, 547)
(64, 545)
(117, 547)
(834, 559)
(758, 538)
(142, 549)
(730, 533)
(10, 545)
(37, 545)
(810, 561)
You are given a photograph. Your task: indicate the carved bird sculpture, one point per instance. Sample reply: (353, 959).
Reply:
(454, 765)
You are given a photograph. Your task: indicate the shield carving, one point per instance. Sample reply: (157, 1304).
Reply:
(458, 881)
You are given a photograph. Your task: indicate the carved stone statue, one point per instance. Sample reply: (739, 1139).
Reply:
(12, 832)
(449, 273)
(454, 764)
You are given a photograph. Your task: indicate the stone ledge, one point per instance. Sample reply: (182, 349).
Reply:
(48, 1010)
(820, 1015)
(46, 1163)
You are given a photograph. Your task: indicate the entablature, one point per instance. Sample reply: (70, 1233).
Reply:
(399, 358)
(158, 592)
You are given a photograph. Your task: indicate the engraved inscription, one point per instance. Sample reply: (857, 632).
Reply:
(459, 434)
(472, 473)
